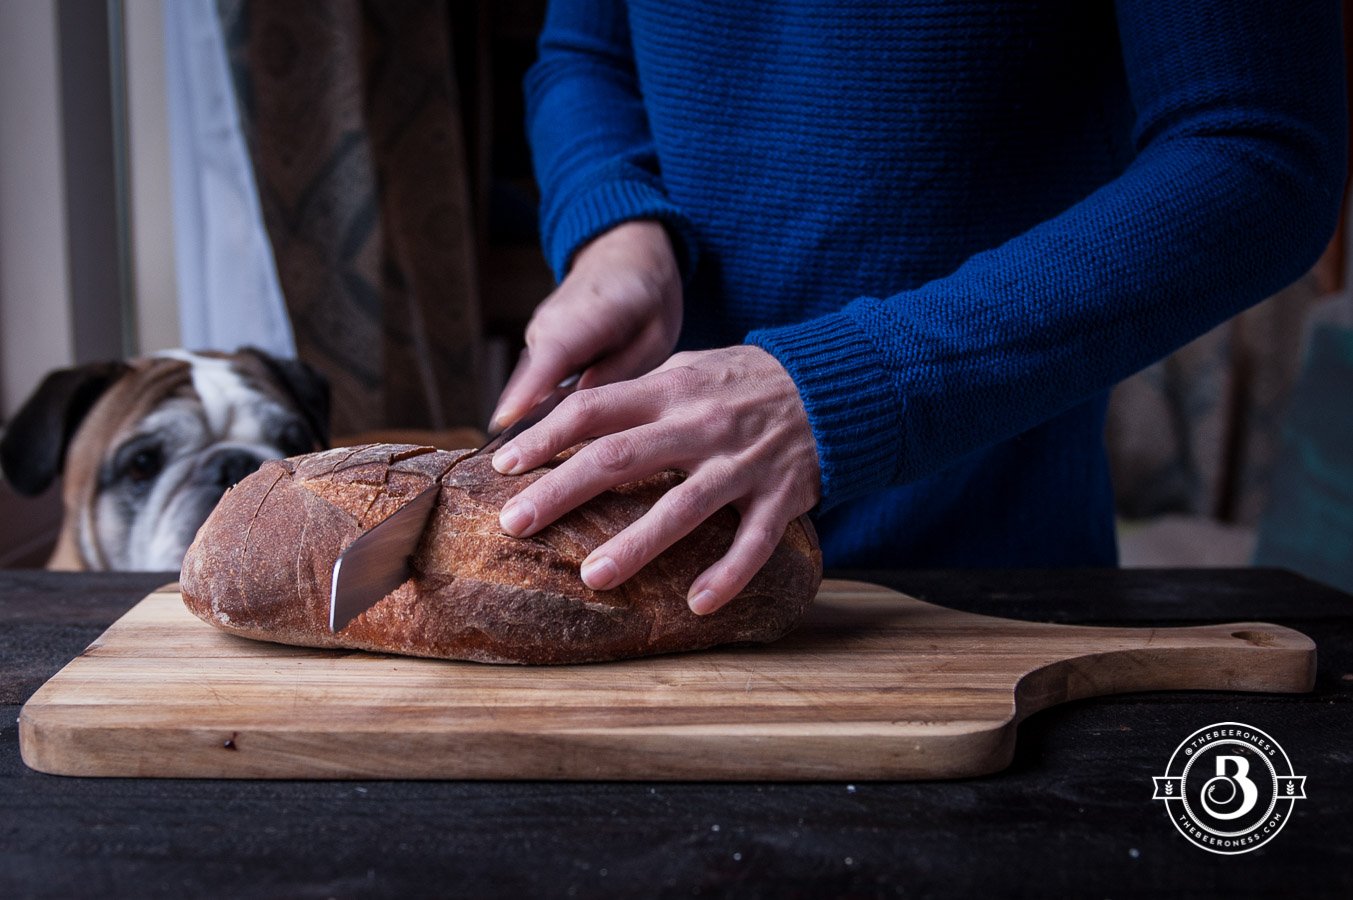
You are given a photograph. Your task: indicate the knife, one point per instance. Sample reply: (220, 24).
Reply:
(379, 561)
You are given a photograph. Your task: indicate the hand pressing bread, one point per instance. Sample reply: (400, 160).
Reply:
(260, 566)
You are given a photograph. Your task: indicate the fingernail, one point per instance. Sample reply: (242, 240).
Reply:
(600, 573)
(505, 461)
(517, 516)
(703, 603)
(502, 416)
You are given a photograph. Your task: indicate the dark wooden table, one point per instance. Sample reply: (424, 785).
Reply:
(1071, 816)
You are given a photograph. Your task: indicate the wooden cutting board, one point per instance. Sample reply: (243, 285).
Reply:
(874, 685)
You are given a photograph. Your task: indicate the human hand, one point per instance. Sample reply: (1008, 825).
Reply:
(731, 419)
(615, 316)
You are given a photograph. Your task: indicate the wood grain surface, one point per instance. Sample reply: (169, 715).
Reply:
(874, 685)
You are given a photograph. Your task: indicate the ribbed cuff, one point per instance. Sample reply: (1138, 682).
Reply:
(854, 414)
(606, 205)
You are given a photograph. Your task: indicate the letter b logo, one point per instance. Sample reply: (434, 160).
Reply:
(1228, 788)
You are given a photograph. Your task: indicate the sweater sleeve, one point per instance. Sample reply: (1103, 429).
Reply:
(594, 157)
(1232, 194)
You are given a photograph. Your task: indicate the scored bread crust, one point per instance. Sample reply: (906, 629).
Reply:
(260, 566)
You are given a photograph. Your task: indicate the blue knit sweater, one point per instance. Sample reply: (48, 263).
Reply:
(956, 225)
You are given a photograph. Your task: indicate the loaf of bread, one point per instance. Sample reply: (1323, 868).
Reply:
(261, 566)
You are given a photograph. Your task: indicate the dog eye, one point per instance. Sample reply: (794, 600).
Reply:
(145, 464)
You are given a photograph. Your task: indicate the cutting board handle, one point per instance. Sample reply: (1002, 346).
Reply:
(1240, 656)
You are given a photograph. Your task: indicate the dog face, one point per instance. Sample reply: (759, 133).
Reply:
(147, 448)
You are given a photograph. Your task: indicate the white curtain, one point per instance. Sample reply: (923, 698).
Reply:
(227, 280)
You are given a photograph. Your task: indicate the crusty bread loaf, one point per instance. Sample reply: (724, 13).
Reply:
(260, 566)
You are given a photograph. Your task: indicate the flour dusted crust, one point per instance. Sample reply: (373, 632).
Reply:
(260, 566)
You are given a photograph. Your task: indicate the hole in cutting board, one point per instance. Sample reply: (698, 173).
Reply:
(1258, 638)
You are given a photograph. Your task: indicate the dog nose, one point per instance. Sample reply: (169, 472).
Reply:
(228, 467)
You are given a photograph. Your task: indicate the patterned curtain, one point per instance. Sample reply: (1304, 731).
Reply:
(353, 118)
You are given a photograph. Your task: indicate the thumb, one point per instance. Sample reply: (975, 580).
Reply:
(537, 373)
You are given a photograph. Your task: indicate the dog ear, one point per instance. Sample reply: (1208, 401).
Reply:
(307, 387)
(33, 449)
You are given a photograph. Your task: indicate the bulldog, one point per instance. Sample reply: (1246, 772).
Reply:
(145, 448)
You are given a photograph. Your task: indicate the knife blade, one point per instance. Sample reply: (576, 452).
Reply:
(533, 416)
(380, 560)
